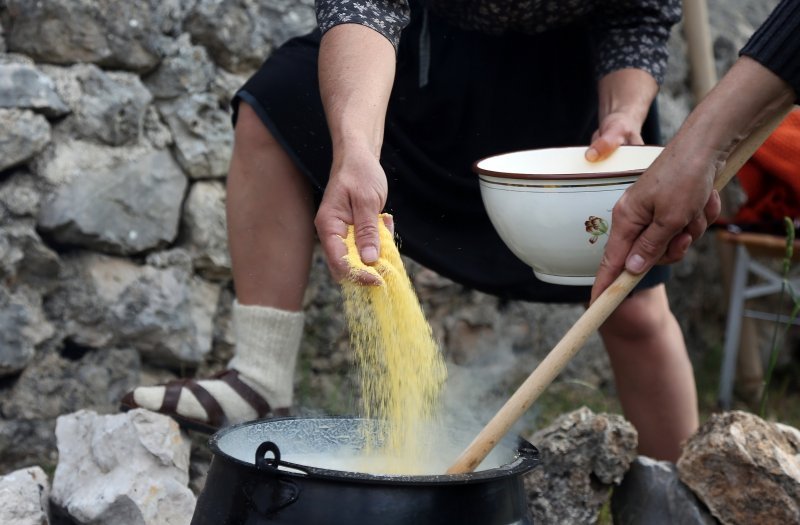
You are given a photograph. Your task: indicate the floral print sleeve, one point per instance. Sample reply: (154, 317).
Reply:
(629, 33)
(634, 33)
(387, 17)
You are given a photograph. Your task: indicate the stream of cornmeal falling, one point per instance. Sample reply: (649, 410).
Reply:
(400, 366)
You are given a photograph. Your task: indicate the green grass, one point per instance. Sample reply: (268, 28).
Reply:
(706, 373)
(49, 468)
(605, 517)
(783, 401)
(563, 397)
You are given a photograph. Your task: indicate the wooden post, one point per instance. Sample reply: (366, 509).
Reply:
(703, 77)
(701, 52)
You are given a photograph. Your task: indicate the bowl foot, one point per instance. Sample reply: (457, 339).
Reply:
(568, 280)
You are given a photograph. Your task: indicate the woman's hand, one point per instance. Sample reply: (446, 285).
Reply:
(658, 217)
(625, 97)
(356, 71)
(615, 130)
(673, 202)
(356, 194)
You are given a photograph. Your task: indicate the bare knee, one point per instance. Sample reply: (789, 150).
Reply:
(644, 315)
(250, 132)
(257, 155)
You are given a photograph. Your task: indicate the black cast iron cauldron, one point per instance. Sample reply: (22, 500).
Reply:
(249, 484)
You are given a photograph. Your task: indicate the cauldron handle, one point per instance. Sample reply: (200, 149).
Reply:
(529, 451)
(265, 463)
(274, 493)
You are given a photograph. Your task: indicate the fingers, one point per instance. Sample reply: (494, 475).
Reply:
(332, 222)
(615, 130)
(603, 146)
(388, 221)
(637, 248)
(340, 265)
(677, 248)
(658, 217)
(681, 243)
(333, 233)
(355, 194)
(636, 254)
(624, 232)
(364, 277)
(713, 207)
(606, 274)
(650, 247)
(331, 236)
(365, 224)
(360, 271)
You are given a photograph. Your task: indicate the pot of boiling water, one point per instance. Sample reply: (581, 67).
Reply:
(301, 471)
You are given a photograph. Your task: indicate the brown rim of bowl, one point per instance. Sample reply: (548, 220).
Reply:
(552, 176)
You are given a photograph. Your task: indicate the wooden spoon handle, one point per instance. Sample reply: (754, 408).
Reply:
(592, 318)
(552, 365)
(745, 149)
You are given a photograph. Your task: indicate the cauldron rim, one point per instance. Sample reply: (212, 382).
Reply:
(527, 458)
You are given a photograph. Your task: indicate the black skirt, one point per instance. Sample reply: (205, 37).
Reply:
(458, 96)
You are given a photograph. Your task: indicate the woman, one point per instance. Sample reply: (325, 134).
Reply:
(385, 109)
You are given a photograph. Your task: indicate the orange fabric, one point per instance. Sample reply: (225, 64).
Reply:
(771, 178)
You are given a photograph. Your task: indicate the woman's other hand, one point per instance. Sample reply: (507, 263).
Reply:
(625, 97)
(658, 217)
(615, 130)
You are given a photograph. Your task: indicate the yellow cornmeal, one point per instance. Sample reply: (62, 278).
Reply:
(401, 369)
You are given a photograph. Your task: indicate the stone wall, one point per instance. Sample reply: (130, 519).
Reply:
(114, 141)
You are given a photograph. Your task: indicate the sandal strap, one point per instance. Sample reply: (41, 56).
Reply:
(256, 400)
(172, 393)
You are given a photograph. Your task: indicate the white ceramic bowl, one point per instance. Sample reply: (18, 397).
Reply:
(552, 207)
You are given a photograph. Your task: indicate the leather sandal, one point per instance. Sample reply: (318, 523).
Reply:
(216, 415)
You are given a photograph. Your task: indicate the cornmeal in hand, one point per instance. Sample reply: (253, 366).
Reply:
(400, 365)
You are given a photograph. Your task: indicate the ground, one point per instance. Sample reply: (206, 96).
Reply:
(783, 403)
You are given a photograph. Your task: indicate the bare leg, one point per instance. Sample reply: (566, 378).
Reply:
(654, 376)
(270, 214)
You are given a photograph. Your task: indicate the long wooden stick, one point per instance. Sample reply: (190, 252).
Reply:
(592, 318)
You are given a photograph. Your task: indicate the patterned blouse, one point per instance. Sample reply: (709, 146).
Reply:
(629, 33)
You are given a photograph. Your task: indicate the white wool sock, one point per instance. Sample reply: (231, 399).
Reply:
(267, 343)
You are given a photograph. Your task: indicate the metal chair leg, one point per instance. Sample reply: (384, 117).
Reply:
(733, 327)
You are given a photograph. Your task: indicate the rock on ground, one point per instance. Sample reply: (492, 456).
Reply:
(583, 455)
(746, 470)
(130, 468)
